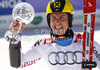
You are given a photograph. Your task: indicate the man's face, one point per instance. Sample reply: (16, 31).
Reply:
(59, 23)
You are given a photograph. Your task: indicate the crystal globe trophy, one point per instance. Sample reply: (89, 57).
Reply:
(24, 13)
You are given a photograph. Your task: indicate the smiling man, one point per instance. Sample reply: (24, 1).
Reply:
(59, 23)
(63, 50)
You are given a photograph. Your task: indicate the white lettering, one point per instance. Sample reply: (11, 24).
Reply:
(6, 5)
(89, 4)
(9, 3)
(2, 4)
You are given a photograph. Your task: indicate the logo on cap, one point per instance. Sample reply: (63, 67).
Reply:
(57, 4)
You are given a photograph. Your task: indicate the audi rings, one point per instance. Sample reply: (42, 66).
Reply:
(62, 58)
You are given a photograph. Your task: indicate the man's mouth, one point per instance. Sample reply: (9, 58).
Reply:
(58, 27)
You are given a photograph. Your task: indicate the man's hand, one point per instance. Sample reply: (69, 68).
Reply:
(15, 25)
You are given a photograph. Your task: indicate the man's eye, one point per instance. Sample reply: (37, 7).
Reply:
(61, 17)
(53, 17)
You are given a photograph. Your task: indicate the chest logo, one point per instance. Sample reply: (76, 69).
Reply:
(63, 58)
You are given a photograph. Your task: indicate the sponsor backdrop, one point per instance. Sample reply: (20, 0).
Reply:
(6, 7)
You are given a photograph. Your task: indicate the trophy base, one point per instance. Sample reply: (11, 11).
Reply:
(12, 37)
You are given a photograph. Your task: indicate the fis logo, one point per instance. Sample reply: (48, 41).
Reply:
(57, 4)
(6, 6)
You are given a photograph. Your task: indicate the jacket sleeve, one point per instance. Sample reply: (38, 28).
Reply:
(96, 54)
(19, 59)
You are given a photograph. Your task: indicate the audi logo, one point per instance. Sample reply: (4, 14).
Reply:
(63, 58)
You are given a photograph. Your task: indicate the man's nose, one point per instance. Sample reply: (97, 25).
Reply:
(57, 21)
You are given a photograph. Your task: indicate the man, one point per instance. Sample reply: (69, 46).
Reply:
(63, 51)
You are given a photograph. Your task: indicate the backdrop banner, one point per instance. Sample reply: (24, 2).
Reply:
(6, 7)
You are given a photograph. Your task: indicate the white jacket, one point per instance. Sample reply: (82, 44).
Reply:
(59, 57)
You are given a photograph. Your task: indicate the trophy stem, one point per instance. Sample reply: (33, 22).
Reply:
(19, 28)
